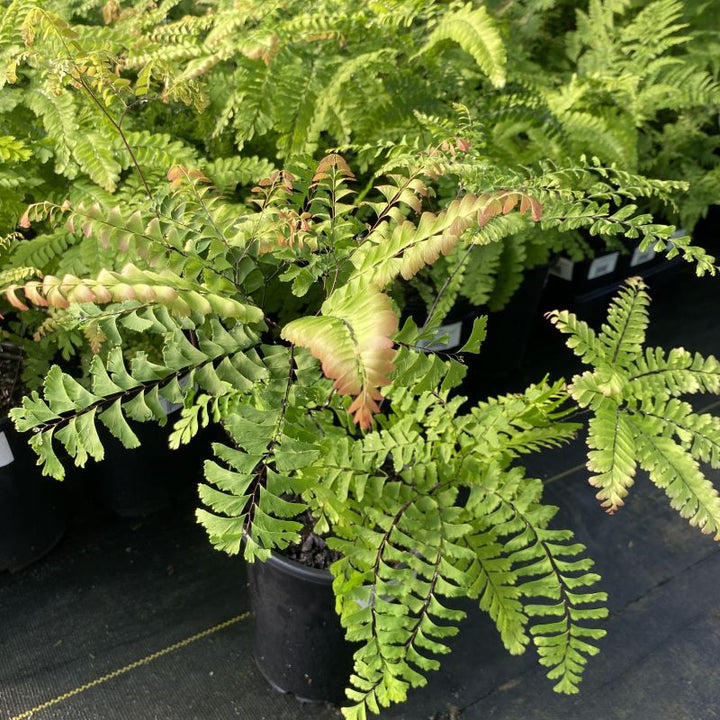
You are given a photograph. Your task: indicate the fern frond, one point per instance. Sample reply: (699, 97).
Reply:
(698, 434)
(675, 372)
(612, 457)
(246, 496)
(481, 270)
(408, 248)
(59, 117)
(547, 566)
(14, 275)
(166, 288)
(399, 615)
(496, 586)
(13, 150)
(352, 340)
(583, 340)
(254, 111)
(41, 251)
(476, 33)
(671, 468)
(67, 412)
(229, 173)
(637, 418)
(627, 319)
(97, 157)
(654, 30)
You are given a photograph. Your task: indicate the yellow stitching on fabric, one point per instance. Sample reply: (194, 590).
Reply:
(132, 666)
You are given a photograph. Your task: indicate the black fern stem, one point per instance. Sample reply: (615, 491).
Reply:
(445, 285)
(120, 132)
(104, 111)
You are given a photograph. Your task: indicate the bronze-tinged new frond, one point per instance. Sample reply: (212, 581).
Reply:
(166, 288)
(406, 248)
(351, 338)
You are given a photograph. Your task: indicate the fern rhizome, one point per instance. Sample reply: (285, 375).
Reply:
(267, 298)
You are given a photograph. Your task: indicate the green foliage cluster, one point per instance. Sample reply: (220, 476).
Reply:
(146, 140)
(634, 394)
(237, 91)
(423, 495)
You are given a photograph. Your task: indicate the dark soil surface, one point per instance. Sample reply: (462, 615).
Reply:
(312, 550)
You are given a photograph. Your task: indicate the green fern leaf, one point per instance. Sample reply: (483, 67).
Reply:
(698, 434)
(476, 33)
(624, 332)
(678, 474)
(612, 457)
(675, 372)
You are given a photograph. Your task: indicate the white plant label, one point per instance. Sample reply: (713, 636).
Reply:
(603, 265)
(6, 454)
(641, 256)
(449, 334)
(563, 268)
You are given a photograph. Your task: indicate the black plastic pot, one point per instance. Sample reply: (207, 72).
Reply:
(139, 482)
(499, 367)
(32, 511)
(299, 645)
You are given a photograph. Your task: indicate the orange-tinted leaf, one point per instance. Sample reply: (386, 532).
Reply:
(352, 341)
(510, 202)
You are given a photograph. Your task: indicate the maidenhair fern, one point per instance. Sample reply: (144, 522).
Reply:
(279, 83)
(140, 153)
(638, 420)
(335, 410)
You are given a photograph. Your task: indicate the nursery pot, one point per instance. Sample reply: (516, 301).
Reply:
(500, 366)
(147, 479)
(137, 482)
(32, 514)
(299, 645)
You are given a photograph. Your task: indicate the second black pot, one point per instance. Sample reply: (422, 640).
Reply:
(32, 511)
(139, 482)
(299, 645)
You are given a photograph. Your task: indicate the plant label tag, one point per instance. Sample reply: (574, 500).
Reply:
(6, 454)
(641, 256)
(169, 407)
(447, 337)
(679, 233)
(603, 265)
(563, 268)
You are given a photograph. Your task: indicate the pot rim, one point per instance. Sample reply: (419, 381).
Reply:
(298, 570)
(293, 568)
